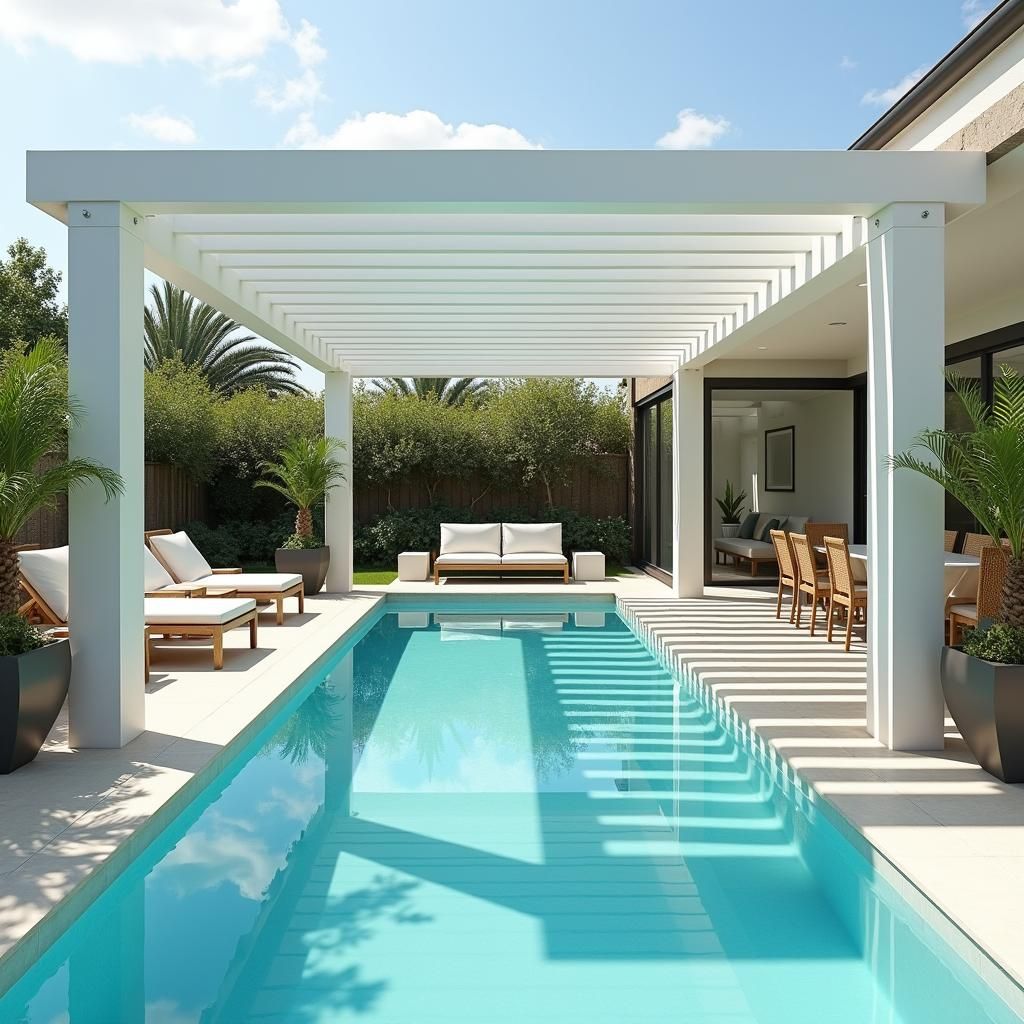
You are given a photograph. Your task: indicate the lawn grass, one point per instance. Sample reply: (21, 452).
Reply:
(373, 576)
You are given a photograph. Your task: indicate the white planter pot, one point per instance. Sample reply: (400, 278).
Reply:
(730, 529)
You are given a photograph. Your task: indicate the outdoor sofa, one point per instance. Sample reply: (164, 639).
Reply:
(44, 580)
(185, 564)
(501, 548)
(754, 543)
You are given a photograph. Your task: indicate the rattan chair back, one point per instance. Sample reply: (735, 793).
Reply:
(949, 540)
(839, 569)
(783, 554)
(975, 543)
(804, 558)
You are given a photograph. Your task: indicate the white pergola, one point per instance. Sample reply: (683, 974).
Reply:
(367, 263)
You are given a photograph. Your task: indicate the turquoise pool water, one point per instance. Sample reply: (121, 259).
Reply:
(489, 817)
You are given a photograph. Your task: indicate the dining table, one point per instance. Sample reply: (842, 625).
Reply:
(960, 572)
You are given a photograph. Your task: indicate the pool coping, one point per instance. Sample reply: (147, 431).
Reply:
(808, 796)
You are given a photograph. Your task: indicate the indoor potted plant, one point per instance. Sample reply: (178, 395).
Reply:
(983, 680)
(35, 666)
(307, 471)
(731, 505)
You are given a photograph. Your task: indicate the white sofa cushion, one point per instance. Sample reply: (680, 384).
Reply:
(195, 611)
(457, 538)
(524, 538)
(795, 524)
(252, 582)
(155, 576)
(47, 571)
(536, 558)
(480, 557)
(759, 549)
(181, 557)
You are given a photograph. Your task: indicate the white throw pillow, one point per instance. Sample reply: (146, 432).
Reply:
(181, 556)
(531, 538)
(458, 538)
(47, 571)
(155, 576)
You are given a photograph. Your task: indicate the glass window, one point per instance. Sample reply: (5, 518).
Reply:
(665, 538)
(957, 517)
(1012, 357)
(655, 457)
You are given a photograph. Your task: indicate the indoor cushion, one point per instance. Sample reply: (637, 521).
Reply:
(766, 533)
(181, 557)
(747, 526)
(47, 571)
(195, 611)
(255, 582)
(457, 538)
(746, 548)
(763, 519)
(523, 538)
(795, 524)
(536, 557)
(155, 576)
(478, 557)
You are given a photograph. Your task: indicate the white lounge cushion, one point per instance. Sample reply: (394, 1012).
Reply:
(524, 538)
(155, 576)
(459, 538)
(47, 571)
(537, 558)
(478, 557)
(195, 611)
(251, 582)
(182, 558)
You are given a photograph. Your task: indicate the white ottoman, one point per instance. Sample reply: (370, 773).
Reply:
(588, 565)
(414, 566)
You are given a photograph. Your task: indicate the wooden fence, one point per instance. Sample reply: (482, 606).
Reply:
(171, 500)
(599, 488)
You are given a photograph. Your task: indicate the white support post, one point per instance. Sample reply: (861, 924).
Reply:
(338, 514)
(906, 318)
(105, 300)
(688, 483)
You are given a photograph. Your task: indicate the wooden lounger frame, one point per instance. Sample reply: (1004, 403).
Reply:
(500, 568)
(276, 596)
(37, 606)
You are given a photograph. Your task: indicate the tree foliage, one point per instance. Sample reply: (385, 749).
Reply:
(30, 306)
(447, 390)
(177, 325)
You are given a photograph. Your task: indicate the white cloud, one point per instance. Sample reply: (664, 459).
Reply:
(887, 97)
(847, 63)
(306, 45)
(203, 32)
(694, 131)
(418, 129)
(302, 91)
(236, 73)
(175, 131)
(973, 11)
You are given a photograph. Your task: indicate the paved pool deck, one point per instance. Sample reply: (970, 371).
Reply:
(72, 818)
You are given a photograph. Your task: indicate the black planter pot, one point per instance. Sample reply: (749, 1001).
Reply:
(33, 688)
(986, 701)
(311, 564)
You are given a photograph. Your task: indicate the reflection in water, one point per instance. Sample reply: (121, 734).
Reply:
(531, 823)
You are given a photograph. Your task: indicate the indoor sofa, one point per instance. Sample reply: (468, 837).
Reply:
(756, 547)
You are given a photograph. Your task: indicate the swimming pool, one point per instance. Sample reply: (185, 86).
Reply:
(491, 815)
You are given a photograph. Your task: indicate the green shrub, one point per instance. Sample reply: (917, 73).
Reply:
(19, 636)
(181, 426)
(217, 544)
(999, 642)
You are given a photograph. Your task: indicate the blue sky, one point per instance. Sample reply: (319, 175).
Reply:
(742, 74)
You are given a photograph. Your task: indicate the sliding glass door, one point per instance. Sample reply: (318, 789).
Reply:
(654, 465)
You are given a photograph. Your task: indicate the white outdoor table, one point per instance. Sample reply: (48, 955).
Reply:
(960, 572)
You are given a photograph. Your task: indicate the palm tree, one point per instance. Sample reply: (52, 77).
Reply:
(447, 390)
(35, 413)
(179, 326)
(307, 471)
(984, 471)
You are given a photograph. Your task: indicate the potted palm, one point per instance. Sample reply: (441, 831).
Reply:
(983, 680)
(35, 412)
(731, 505)
(308, 469)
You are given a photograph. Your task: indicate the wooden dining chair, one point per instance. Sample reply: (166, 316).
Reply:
(847, 593)
(787, 571)
(949, 540)
(810, 579)
(989, 597)
(816, 534)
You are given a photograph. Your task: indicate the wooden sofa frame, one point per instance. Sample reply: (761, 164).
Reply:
(499, 568)
(755, 563)
(259, 596)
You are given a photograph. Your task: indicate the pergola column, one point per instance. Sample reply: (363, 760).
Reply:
(105, 377)
(906, 318)
(688, 483)
(338, 514)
